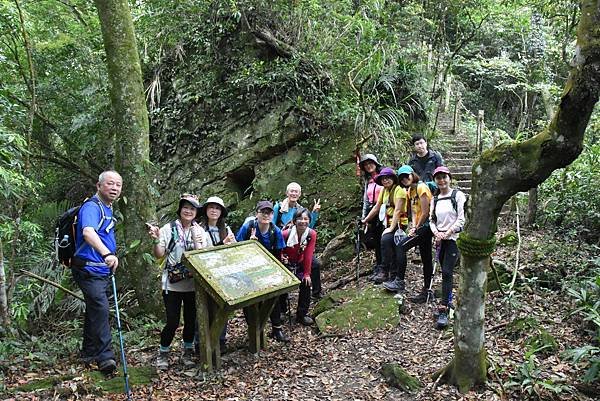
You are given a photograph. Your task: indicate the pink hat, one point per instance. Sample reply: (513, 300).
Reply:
(442, 169)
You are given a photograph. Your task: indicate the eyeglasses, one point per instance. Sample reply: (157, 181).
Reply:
(265, 212)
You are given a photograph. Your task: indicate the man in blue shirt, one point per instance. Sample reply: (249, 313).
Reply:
(262, 229)
(94, 260)
(284, 213)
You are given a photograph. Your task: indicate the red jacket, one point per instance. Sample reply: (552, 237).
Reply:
(301, 255)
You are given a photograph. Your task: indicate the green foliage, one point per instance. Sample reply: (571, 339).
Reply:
(568, 201)
(589, 357)
(538, 339)
(534, 384)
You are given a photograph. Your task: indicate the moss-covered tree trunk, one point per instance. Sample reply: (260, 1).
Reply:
(506, 170)
(4, 312)
(131, 141)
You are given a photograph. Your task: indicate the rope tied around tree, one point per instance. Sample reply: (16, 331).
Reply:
(470, 246)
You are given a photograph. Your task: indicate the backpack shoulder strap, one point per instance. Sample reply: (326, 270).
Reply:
(174, 234)
(272, 234)
(435, 201)
(102, 213)
(252, 225)
(453, 200)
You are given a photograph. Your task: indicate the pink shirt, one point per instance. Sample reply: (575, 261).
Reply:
(373, 191)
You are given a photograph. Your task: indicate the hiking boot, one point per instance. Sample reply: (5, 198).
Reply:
(376, 270)
(107, 367)
(305, 320)
(188, 358)
(442, 319)
(396, 285)
(380, 277)
(162, 361)
(278, 335)
(316, 296)
(424, 296)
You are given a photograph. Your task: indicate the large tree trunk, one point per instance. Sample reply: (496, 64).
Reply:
(4, 312)
(132, 142)
(502, 172)
(532, 203)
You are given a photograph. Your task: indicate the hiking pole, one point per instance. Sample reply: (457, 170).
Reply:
(123, 360)
(358, 226)
(435, 263)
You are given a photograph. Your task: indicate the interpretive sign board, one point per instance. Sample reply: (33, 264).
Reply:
(237, 274)
(228, 277)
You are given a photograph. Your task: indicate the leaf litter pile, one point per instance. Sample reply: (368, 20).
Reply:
(527, 332)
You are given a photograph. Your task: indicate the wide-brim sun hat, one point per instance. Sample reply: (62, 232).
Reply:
(368, 157)
(217, 201)
(191, 199)
(440, 170)
(405, 170)
(386, 172)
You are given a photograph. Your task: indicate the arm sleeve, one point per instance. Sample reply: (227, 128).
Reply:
(314, 216)
(276, 220)
(365, 199)
(229, 232)
(432, 224)
(440, 160)
(400, 198)
(242, 233)
(279, 241)
(309, 251)
(164, 235)
(90, 215)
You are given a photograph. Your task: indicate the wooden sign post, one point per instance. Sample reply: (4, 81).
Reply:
(229, 277)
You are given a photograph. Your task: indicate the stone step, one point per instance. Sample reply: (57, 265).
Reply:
(457, 155)
(460, 170)
(460, 148)
(464, 183)
(460, 161)
(462, 176)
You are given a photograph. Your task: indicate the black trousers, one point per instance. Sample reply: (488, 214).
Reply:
(97, 337)
(375, 229)
(173, 301)
(422, 239)
(315, 277)
(389, 261)
(448, 256)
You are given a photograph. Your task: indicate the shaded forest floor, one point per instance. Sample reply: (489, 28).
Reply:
(527, 333)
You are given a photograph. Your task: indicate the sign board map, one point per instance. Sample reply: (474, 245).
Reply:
(236, 273)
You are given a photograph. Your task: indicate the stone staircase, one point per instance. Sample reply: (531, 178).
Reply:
(458, 155)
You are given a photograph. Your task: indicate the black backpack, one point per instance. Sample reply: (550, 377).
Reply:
(452, 199)
(255, 226)
(65, 233)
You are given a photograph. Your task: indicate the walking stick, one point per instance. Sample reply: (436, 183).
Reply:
(123, 360)
(435, 263)
(358, 225)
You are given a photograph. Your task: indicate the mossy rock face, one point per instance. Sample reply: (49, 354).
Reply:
(397, 377)
(356, 309)
(41, 384)
(137, 376)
